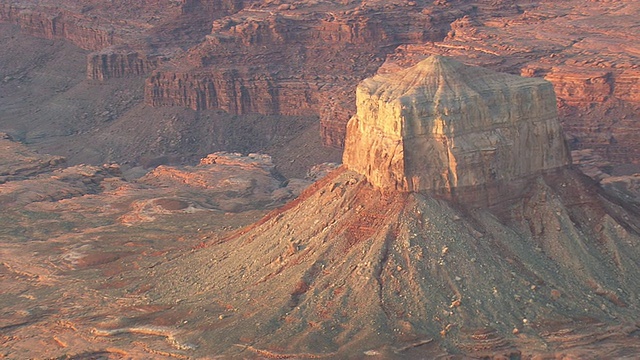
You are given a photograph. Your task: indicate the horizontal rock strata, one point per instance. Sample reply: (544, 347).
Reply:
(293, 60)
(595, 74)
(118, 62)
(441, 124)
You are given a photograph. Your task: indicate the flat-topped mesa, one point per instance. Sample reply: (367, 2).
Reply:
(442, 124)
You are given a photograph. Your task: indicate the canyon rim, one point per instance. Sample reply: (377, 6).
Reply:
(476, 213)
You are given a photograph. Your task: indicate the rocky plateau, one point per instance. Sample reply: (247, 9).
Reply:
(67, 232)
(400, 254)
(487, 205)
(190, 59)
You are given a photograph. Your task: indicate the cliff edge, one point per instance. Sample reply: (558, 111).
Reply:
(372, 260)
(441, 124)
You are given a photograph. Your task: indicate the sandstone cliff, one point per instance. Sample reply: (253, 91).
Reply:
(115, 62)
(500, 35)
(441, 124)
(294, 59)
(349, 269)
(232, 90)
(305, 58)
(53, 23)
(595, 73)
(95, 266)
(127, 39)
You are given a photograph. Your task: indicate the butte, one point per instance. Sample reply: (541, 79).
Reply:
(456, 226)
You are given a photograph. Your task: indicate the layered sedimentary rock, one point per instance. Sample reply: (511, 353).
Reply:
(305, 57)
(233, 91)
(115, 62)
(500, 35)
(347, 271)
(295, 59)
(228, 181)
(194, 6)
(395, 270)
(127, 39)
(52, 23)
(442, 124)
(17, 162)
(595, 74)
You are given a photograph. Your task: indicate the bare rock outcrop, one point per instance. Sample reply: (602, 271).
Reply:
(441, 124)
(126, 39)
(347, 270)
(394, 269)
(595, 74)
(294, 59)
(17, 162)
(305, 57)
(226, 181)
(116, 62)
(55, 23)
(235, 91)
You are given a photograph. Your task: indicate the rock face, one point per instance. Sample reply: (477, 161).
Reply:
(117, 62)
(17, 162)
(347, 270)
(299, 59)
(229, 182)
(55, 23)
(232, 91)
(595, 75)
(127, 39)
(441, 124)
(304, 58)
(396, 270)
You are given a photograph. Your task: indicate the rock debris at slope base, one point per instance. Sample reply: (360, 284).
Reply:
(347, 269)
(562, 256)
(441, 124)
(548, 266)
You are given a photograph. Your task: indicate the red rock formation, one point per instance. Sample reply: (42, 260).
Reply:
(59, 24)
(580, 87)
(595, 73)
(305, 57)
(230, 91)
(17, 162)
(295, 60)
(150, 30)
(627, 85)
(547, 266)
(114, 62)
(211, 6)
(229, 182)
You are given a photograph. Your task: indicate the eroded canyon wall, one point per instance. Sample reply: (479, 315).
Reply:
(307, 57)
(53, 23)
(294, 59)
(587, 51)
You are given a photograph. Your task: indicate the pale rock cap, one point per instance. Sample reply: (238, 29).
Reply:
(442, 124)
